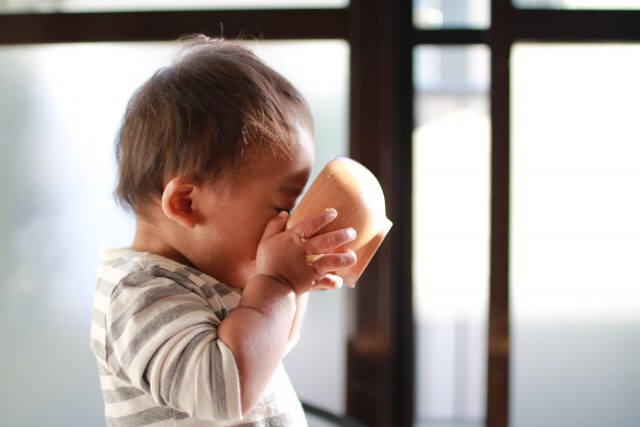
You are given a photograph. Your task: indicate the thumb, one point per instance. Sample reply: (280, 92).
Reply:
(276, 225)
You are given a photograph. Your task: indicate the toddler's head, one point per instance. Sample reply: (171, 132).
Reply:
(211, 116)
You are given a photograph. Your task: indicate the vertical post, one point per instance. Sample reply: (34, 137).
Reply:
(498, 358)
(380, 360)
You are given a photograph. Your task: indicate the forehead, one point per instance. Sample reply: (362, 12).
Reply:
(291, 162)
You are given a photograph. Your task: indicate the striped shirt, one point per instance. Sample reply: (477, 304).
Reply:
(154, 335)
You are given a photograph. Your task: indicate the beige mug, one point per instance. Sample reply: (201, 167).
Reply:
(355, 193)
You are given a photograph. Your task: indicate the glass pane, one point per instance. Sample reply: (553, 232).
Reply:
(451, 156)
(577, 4)
(575, 236)
(434, 14)
(127, 5)
(61, 107)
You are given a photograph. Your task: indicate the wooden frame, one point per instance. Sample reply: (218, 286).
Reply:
(168, 25)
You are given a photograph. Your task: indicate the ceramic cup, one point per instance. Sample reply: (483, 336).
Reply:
(355, 193)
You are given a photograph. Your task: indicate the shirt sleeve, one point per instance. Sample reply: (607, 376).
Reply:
(162, 338)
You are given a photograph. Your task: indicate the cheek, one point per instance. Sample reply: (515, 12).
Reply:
(246, 237)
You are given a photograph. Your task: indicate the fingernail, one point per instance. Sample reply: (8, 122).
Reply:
(351, 233)
(350, 258)
(332, 212)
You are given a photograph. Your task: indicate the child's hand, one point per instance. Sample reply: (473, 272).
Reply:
(301, 259)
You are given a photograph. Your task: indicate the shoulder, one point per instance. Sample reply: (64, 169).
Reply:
(128, 268)
(137, 274)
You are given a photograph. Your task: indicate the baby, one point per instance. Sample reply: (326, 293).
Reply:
(191, 322)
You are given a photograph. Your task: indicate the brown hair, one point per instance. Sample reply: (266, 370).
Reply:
(200, 117)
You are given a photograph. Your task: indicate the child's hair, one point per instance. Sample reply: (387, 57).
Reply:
(201, 117)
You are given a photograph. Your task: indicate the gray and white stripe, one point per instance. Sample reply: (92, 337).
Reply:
(154, 335)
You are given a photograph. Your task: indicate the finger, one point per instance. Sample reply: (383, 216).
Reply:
(327, 242)
(310, 226)
(329, 281)
(332, 262)
(276, 225)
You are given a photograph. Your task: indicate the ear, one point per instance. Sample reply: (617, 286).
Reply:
(177, 201)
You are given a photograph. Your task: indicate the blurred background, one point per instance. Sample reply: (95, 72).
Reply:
(505, 135)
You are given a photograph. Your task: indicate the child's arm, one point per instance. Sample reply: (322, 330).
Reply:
(258, 331)
(294, 333)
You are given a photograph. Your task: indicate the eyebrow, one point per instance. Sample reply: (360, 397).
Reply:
(295, 181)
(292, 188)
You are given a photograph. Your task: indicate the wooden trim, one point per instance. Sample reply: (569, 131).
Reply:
(380, 359)
(449, 37)
(501, 36)
(169, 25)
(498, 349)
(370, 346)
(402, 199)
(576, 25)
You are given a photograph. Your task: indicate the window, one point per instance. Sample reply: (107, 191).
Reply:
(451, 165)
(575, 237)
(434, 14)
(578, 4)
(62, 105)
(48, 6)
(554, 176)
